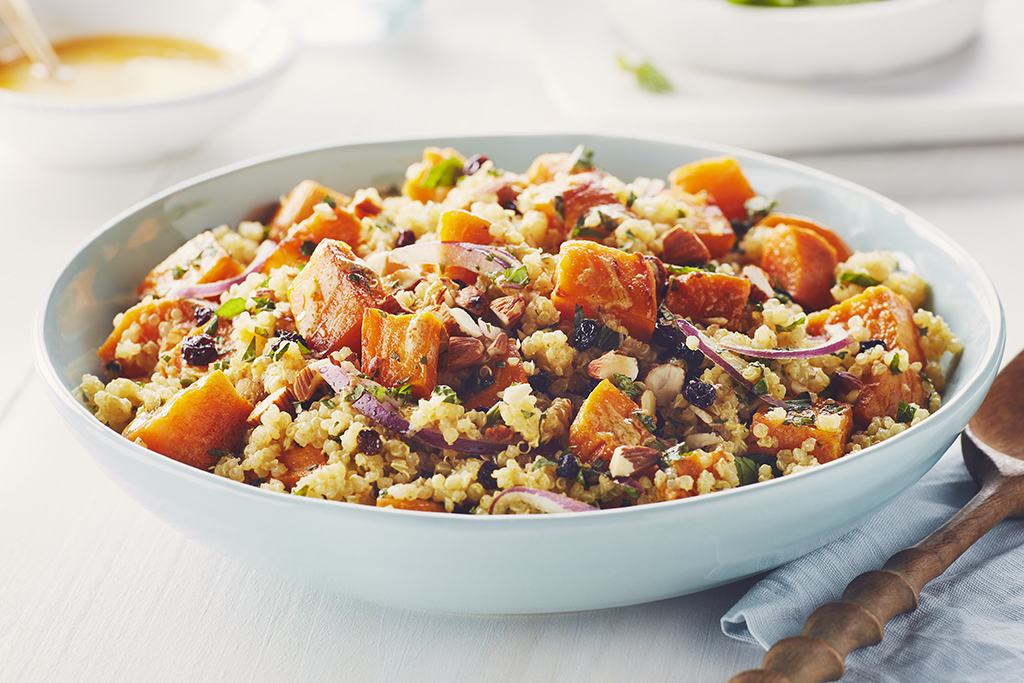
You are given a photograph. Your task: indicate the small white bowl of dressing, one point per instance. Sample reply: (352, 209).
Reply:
(147, 79)
(800, 43)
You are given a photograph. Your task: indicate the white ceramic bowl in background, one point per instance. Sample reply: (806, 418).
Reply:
(100, 132)
(510, 564)
(799, 43)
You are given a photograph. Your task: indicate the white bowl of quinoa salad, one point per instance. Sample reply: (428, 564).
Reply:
(690, 363)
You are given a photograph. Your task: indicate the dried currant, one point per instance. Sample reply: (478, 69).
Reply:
(368, 442)
(199, 350)
(585, 334)
(698, 393)
(568, 466)
(485, 475)
(405, 238)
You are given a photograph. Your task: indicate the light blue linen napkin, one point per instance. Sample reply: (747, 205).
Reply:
(969, 623)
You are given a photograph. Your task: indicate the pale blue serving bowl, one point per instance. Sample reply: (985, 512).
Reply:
(515, 564)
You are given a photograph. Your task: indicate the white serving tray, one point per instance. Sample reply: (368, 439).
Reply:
(975, 95)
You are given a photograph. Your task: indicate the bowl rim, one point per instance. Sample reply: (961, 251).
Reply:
(101, 105)
(862, 9)
(988, 363)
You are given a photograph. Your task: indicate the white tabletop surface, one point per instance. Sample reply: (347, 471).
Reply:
(93, 588)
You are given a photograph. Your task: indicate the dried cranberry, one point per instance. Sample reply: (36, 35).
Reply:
(585, 334)
(405, 238)
(485, 475)
(202, 314)
(199, 350)
(473, 164)
(568, 466)
(872, 343)
(368, 442)
(700, 394)
(540, 382)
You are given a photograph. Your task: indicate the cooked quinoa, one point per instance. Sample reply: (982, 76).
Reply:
(486, 341)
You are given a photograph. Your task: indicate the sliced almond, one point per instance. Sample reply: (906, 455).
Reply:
(761, 285)
(464, 352)
(611, 364)
(498, 347)
(458, 322)
(393, 306)
(281, 398)
(508, 310)
(306, 383)
(471, 299)
(665, 382)
(683, 247)
(627, 460)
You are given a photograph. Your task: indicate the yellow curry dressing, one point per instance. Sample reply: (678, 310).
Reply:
(126, 66)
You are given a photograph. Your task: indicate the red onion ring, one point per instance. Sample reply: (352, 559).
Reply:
(479, 258)
(545, 501)
(838, 341)
(208, 290)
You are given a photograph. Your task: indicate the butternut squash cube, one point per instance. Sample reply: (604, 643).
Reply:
(723, 180)
(298, 206)
(198, 261)
(296, 248)
(803, 262)
(605, 421)
(701, 295)
(457, 225)
(400, 349)
(200, 421)
(136, 343)
(828, 422)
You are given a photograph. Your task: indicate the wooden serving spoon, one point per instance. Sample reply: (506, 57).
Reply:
(26, 31)
(993, 449)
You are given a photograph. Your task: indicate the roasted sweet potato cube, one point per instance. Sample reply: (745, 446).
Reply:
(585, 194)
(298, 206)
(493, 377)
(199, 260)
(435, 176)
(329, 296)
(694, 465)
(296, 248)
(887, 316)
(145, 331)
(772, 220)
(828, 422)
(609, 285)
(803, 262)
(402, 349)
(544, 167)
(604, 421)
(706, 221)
(723, 180)
(457, 225)
(700, 295)
(417, 504)
(197, 424)
(300, 461)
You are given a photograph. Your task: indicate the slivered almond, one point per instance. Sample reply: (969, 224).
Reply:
(508, 310)
(305, 384)
(683, 247)
(471, 299)
(761, 285)
(281, 398)
(666, 382)
(611, 364)
(464, 352)
(627, 460)
(393, 306)
(498, 347)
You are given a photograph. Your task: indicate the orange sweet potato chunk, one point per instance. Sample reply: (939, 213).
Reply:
(605, 421)
(505, 371)
(418, 504)
(773, 220)
(298, 206)
(206, 416)
(199, 260)
(828, 422)
(702, 295)
(803, 262)
(329, 296)
(457, 225)
(586, 193)
(300, 461)
(148, 316)
(399, 349)
(544, 167)
(888, 316)
(609, 285)
(296, 248)
(723, 180)
(693, 465)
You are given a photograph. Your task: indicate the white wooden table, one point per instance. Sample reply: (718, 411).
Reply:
(93, 588)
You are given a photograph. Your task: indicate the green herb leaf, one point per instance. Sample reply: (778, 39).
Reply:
(630, 200)
(328, 403)
(543, 462)
(894, 364)
(448, 394)
(231, 308)
(178, 272)
(646, 419)
(905, 412)
(647, 77)
(746, 470)
(250, 351)
(444, 174)
(217, 452)
(673, 453)
(302, 491)
(517, 276)
(588, 233)
(211, 329)
(626, 385)
(581, 159)
(861, 279)
(792, 326)
(329, 201)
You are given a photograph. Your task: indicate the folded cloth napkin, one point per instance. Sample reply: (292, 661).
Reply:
(969, 623)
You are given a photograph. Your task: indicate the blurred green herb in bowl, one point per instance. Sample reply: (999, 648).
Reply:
(647, 77)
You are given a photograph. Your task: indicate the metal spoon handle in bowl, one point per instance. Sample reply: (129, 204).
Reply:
(27, 32)
(875, 597)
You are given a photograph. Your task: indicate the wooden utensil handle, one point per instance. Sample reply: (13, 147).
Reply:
(875, 597)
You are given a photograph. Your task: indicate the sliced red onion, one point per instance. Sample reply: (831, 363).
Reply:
(479, 258)
(545, 501)
(690, 331)
(838, 341)
(208, 290)
(385, 412)
(630, 483)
